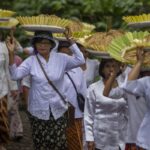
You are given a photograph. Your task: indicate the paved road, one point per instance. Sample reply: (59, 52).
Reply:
(26, 142)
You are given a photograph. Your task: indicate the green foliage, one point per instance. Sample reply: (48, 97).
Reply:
(105, 14)
(92, 11)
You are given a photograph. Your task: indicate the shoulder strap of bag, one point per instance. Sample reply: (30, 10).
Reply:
(72, 82)
(49, 81)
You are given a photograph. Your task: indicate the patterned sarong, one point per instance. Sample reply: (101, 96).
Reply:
(4, 129)
(74, 132)
(48, 134)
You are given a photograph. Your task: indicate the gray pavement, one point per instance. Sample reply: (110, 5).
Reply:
(26, 142)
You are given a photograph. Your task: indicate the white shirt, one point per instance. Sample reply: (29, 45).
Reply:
(80, 83)
(42, 97)
(6, 84)
(105, 118)
(26, 81)
(30, 50)
(91, 71)
(125, 73)
(18, 47)
(141, 87)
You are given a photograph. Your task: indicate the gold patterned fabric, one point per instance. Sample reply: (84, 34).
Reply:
(74, 132)
(4, 130)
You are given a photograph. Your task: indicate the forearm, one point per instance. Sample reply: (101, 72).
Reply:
(11, 59)
(12, 84)
(77, 59)
(76, 51)
(25, 95)
(135, 71)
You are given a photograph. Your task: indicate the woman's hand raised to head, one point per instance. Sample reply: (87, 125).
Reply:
(67, 32)
(10, 43)
(140, 55)
(68, 35)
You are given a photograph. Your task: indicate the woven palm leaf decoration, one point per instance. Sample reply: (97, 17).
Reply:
(75, 35)
(136, 19)
(51, 20)
(75, 26)
(88, 27)
(99, 41)
(78, 26)
(124, 48)
(140, 21)
(6, 13)
(79, 30)
(9, 24)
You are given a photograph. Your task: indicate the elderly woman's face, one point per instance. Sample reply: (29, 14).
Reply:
(43, 46)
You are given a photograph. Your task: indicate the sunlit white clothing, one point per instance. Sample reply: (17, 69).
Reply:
(125, 73)
(91, 71)
(78, 78)
(141, 87)
(6, 84)
(42, 97)
(26, 81)
(105, 119)
(30, 50)
(137, 108)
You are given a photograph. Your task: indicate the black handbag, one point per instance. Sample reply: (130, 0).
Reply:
(80, 97)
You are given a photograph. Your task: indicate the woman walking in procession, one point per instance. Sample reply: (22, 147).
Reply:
(45, 106)
(105, 119)
(6, 86)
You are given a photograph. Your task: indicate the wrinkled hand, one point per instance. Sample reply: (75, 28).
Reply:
(140, 54)
(91, 145)
(14, 94)
(67, 33)
(10, 43)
